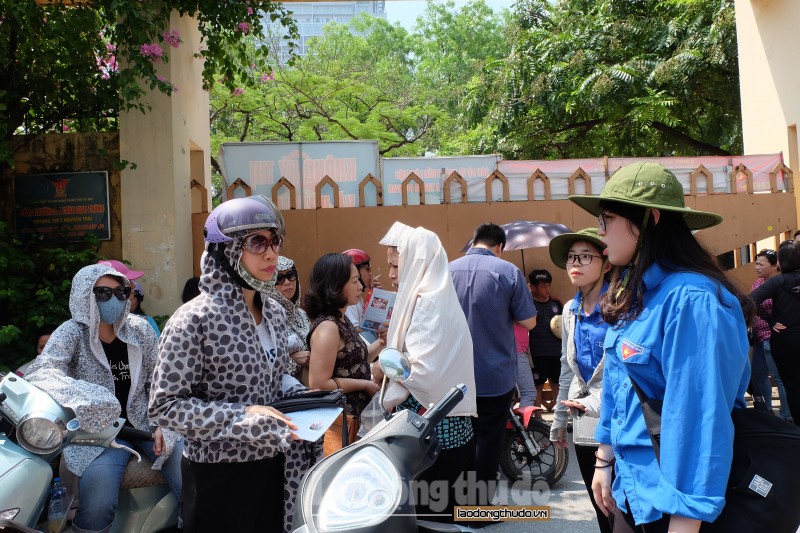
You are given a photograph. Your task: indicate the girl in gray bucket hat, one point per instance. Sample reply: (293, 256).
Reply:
(678, 329)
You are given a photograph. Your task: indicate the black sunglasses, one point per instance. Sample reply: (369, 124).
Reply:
(258, 244)
(103, 294)
(291, 276)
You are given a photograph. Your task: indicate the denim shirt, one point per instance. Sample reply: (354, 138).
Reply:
(688, 347)
(493, 295)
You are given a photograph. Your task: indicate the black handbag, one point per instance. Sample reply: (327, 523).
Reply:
(310, 400)
(765, 472)
(314, 400)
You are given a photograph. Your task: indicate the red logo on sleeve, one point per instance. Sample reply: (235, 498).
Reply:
(630, 349)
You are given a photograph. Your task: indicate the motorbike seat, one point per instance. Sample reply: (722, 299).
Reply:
(138, 475)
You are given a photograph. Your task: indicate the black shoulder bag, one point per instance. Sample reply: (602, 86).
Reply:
(764, 482)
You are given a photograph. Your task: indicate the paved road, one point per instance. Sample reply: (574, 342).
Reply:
(570, 508)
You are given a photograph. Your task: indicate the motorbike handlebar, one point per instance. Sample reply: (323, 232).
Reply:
(446, 404)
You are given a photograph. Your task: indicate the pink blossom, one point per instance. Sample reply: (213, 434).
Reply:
(238, 91)
(64, 127)
(174, 88)
(265, 77)
(152, 51)
(244, 27)
(249, 10)
(172, 37)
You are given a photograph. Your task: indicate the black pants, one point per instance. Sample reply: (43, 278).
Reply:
(242, 497)
(489, 429)
(623, 523)
(451, 465)
(787, 359)
(586, 461)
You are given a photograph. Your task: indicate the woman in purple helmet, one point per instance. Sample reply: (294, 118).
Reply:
(223, 359)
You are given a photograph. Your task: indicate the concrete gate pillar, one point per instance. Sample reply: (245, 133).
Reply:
(170, 146)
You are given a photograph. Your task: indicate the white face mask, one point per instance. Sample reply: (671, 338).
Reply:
(111, 310)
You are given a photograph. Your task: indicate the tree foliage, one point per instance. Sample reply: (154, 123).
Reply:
(35, 282)
(74, 66)
(634, 77)
(563, 79)
(356, 82)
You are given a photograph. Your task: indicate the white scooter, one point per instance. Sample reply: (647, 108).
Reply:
(34, 429)
(367, 486)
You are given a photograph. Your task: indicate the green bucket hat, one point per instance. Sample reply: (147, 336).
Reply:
(647, 185)
(561, 244)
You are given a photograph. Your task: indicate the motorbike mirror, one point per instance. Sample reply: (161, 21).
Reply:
(396, 367)
(395, 364)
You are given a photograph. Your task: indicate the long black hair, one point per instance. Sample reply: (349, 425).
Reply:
(329, 275)
(671, 245)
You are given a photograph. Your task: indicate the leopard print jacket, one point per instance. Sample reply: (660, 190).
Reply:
(212, 365)
(74, 370)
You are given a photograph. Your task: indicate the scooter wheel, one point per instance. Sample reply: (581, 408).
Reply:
(549, 465)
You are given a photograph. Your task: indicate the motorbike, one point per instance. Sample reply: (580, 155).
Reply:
(34, 430)
(367, 486)
(528, 456)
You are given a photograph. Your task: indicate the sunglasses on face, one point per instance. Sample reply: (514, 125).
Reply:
(258, 244)
(582, 259)
(291, 276)
(103, 294)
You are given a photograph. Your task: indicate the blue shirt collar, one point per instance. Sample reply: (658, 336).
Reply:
(480, 251)
(654, 275)
(577, 297)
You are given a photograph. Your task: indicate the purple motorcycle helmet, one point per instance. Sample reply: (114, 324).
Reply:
(241, 216)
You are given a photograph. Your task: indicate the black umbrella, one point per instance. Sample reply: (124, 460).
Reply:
(522, 234)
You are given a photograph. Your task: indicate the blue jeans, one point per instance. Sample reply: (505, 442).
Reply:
(527, 389)
(763, 369)
(99, 484)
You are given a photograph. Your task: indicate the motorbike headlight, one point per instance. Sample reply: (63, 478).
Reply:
(41, 433)
(362, 493)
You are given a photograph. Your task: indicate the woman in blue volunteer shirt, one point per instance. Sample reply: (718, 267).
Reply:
(583, 331)
(677, 327)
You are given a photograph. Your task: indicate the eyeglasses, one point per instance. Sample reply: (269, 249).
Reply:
(258, 244)
(291, 276)
(583, 259)
(103, 294)
(601, 219)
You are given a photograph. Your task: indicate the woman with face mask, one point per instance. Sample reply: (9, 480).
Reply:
(99, 364)
(677, 328)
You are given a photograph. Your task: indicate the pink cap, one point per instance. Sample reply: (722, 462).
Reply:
(122, 268)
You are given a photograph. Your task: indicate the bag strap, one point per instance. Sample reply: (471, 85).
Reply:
(651, 409)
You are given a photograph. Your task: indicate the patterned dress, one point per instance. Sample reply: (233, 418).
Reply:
(351, 361)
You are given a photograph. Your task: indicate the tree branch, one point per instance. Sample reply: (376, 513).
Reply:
(688, 140)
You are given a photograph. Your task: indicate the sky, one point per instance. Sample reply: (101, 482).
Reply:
(406, 11)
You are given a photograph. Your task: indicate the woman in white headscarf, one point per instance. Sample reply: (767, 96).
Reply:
(429, 326)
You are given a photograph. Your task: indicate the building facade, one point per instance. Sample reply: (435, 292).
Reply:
(312, 16)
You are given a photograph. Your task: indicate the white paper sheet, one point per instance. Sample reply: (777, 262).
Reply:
(313, 423)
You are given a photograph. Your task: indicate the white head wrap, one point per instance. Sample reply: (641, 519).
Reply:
(428, 323)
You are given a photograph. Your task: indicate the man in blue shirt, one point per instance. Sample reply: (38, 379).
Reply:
(494, 296)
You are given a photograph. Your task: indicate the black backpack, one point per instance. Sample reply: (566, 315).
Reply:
(764, 483)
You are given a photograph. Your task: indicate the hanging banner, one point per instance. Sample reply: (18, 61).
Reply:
(303, 165)
(64, 205)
